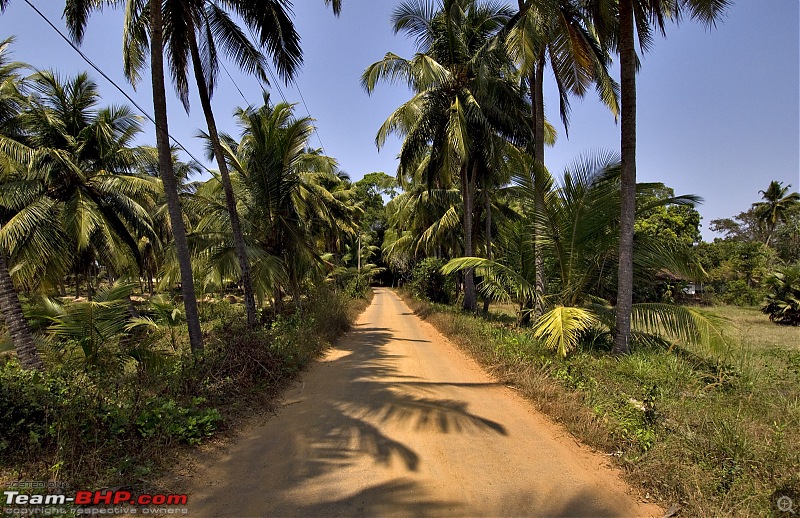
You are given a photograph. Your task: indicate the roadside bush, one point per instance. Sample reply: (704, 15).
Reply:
(738, 293)
(429, 283)
(782, 302)
(164, 419)
(92, 426)
(357, 287)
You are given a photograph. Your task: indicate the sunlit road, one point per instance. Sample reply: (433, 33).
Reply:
(396, 422)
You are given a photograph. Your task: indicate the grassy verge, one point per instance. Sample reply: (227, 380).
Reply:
(103, 428)
(718, 437)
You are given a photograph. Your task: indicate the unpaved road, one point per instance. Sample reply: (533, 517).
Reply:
(396, 422)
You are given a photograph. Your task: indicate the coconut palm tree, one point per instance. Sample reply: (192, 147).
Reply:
(206, 28)
(578, 229)
(76, 199)
(555, 31)
(619, 23)
(79, 199)
(77, 15)
(10, 131)
(282, 191)
(463, 95)
(777, 201)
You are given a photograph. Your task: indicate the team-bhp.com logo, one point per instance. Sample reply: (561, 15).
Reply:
(95, 502)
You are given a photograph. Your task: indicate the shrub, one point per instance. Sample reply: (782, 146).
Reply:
(429, 283)
(165, 419)
(357, 287)
(782, 302)
(739, 293)
(106, 426)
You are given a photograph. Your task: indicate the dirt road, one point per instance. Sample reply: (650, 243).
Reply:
(396, 422)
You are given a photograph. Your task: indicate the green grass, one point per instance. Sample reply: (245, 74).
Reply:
(718, 436)
(754, 329)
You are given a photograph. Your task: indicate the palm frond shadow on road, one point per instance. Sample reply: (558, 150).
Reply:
(348, 415)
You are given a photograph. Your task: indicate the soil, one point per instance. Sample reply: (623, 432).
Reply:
(395, 421)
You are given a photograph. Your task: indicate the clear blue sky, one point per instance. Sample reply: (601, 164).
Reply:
(718, 112)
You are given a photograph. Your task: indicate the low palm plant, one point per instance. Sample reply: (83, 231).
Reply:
(577, 231)
(782, 303)
(88, 333)
(163, 318)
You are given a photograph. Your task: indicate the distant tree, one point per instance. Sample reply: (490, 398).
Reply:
(777, 200)
(680, 223)
(736, 269)
(745, 226)
(369, 192)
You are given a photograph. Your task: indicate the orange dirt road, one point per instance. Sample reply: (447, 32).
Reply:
(395, 421)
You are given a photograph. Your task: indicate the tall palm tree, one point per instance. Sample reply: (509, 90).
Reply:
(10, 308)
(555, 31)
(463, 94)
(197, 26)
(777, 200)
(77, 15)
(619, 23)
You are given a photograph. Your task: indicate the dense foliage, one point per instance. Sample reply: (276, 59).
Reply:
(80, 422)
(782, 302)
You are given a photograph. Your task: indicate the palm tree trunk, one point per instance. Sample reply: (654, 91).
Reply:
(770, 233)
(537, 107)
(11, 310)
(167, 173)
(468, 192)
(487, 202)
(230, 199)
(627, 51)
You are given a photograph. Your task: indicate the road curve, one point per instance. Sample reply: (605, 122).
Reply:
(395, 421)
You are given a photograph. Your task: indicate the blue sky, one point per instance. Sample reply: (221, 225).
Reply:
(718, 111)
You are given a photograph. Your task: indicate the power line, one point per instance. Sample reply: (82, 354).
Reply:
(234, 82)
(123, 92)
(309, 114)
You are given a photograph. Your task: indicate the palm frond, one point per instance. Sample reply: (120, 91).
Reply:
(562, 328)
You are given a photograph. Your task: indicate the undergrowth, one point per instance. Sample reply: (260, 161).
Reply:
(717, 436)
(87, 428)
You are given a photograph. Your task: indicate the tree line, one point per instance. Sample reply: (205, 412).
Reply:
(474, 138)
